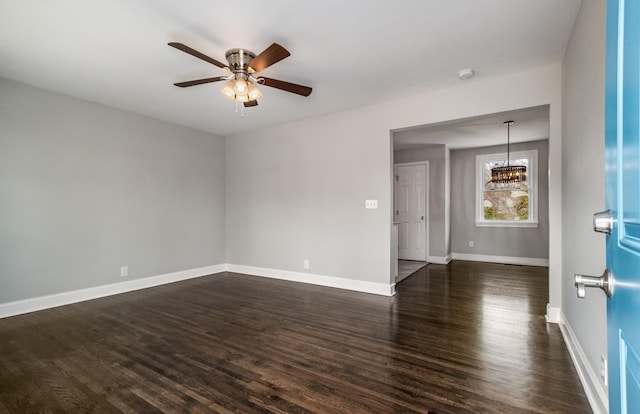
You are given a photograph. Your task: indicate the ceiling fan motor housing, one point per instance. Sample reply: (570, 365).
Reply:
(239, 59)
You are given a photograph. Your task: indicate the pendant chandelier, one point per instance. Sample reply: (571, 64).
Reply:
(509, 173)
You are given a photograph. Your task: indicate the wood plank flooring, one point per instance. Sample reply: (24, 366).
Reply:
(408, 267)
(462, 338)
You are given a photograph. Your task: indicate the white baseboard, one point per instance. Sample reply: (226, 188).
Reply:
(525, 261)
(596, 393)
(439, 259)
(66, 298)
(329, 281)
(553, 314)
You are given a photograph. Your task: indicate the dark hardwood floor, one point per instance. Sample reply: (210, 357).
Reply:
(462, 338)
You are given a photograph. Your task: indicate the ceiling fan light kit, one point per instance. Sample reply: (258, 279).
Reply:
(241, 91)
(241, 84)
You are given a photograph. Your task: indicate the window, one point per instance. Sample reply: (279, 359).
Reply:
(507, 204)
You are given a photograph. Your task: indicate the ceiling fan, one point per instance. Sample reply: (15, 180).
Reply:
(244, 65)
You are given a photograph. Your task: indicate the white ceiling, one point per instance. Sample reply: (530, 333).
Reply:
(353, 53)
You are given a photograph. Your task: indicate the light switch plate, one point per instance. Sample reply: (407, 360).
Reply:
(371, 204)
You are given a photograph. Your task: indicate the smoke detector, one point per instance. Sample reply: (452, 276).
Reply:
(465, 74)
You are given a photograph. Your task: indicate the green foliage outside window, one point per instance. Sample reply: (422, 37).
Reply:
(510, 205)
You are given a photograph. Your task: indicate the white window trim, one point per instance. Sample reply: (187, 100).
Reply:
(532, 179)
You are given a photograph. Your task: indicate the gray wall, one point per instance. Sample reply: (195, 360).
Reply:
(583, 172)
(438, 225)
(86, 189)
(496, 241)
(293, 191)
(298, 191)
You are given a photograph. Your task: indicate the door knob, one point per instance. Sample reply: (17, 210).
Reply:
(604, 282)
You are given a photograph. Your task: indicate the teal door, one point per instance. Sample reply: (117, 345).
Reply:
(622, 152)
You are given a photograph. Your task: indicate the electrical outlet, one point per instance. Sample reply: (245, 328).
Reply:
(124, 271)
(306, 264)
(604, 370)
(471, 243)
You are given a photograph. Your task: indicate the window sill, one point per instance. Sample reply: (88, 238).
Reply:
(506, 224)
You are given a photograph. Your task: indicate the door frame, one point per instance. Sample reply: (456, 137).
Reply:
(427, 188)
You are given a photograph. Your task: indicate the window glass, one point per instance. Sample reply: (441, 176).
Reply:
(506, 203)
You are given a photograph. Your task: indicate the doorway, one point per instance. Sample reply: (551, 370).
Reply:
(411, 217)
(451, 148)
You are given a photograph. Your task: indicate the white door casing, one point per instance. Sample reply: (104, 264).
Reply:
(411, 194)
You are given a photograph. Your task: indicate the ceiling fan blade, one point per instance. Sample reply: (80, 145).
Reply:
(249, 104)
(193, 52)
(286, 86)
(200, 81)
(273, 54)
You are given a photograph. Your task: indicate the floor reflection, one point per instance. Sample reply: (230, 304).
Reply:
(484, 325)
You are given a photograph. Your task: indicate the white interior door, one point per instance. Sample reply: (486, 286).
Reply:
(411, 211)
